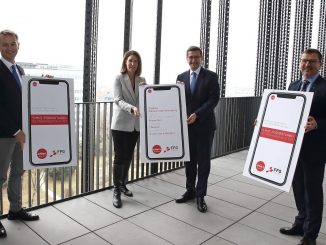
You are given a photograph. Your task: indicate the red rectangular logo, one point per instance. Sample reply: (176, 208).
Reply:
(49, 119)
(279, 135)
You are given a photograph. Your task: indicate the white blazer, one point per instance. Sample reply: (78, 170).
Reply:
(124, 99)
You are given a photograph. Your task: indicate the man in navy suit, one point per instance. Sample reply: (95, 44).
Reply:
(202, 95)
(12, 138)
(308, 178)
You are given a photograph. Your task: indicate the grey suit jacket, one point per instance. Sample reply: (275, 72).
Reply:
(124, 99)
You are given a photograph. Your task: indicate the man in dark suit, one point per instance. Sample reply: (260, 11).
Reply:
(12, 138)
(202, 95)
(308, 178)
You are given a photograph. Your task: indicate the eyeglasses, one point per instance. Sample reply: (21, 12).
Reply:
(310, 61)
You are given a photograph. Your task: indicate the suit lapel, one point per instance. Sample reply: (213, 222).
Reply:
(187, 84)
(129, 88)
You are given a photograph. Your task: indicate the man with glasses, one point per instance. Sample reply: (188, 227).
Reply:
(309, 174)
(202, 95)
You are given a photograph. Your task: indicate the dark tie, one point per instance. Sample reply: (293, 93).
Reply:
(304, 85)
(15, 74)
(193, 82)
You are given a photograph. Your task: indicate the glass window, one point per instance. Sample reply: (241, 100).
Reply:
(110, 47)
(180, 29)
(144, 35)
(51, 40)
(242, 48)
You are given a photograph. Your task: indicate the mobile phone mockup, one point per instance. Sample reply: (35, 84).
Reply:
(49, 122)
(277, 137)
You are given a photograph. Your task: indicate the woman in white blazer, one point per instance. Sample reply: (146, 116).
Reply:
(125, 121)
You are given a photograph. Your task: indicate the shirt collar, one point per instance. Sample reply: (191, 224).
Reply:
(312, 78)
(7, 63)
(196, 71)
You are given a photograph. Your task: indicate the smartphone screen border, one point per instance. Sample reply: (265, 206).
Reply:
(293, 147)
(163, 87)
(48, 81)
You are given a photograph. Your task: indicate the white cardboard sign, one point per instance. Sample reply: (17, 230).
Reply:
(163, 123)
(48, 123)
(277, 137)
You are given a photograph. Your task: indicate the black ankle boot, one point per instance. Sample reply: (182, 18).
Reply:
(124, 190)
(117, 198)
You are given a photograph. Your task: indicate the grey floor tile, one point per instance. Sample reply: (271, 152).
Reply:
(279, 211)
(126, 233)
(87, 239)
(209, 222)
(148, 197)
(18, 233)
(226, 209)
(213, 179)
(228, 163)
(235, 197)
(173, 178)
(248, 189)
(173, 230)
(285, 199)
(244, 235)
(268, 225)
(217, 241)
(87, 213)
(162, 187)
(247, 180)
(129, 208)
(55, 227)
(180, 171)
(226, 173)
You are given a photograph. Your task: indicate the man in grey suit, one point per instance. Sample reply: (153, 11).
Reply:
(12, 138)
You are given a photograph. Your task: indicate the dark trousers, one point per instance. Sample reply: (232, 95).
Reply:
(200, 144)
(308, 193)
(124, 145)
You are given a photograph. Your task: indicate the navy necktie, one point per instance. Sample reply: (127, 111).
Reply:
(304, 85)
(15, 74)
(193, 82)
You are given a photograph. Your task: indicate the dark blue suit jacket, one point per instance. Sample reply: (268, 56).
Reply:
(10, 102)
(205, 98)
(314, 142)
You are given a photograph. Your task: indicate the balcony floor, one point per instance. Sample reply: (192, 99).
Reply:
(240, 211)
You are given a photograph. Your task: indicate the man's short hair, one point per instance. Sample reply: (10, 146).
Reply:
(9, 33)
(194, 48)
(313, 51)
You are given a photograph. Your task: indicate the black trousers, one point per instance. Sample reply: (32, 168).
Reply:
(124, 145)
(200, 144)
(308, 194)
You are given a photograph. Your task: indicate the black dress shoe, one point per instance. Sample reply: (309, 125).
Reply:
(307, 241)
(201, 204)
(117, 198)
(189, 195)
(125, 191)
(295, 230)
(3, 232)
(22, 215)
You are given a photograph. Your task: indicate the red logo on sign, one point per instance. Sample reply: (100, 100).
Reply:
(273, 97)
(260, 166)
(41, 153)
(149, 91)
(156, 149)
(34, 84)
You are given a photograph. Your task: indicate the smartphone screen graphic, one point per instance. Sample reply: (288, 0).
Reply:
(49, 122)
(277, 137)
(163, 123)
